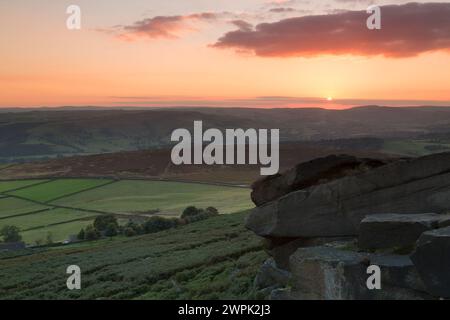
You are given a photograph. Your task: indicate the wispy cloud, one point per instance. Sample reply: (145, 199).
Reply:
(168, 27)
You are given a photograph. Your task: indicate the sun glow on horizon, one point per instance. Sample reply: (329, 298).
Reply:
(173, 61)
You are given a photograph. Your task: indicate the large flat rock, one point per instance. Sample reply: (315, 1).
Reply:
(337, 208)
(309, 173)
(432, 260)
(381, 231)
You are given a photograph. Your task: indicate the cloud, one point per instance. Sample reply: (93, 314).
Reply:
(242, 25)
(282, 10)
(407, 30)
(168, 27)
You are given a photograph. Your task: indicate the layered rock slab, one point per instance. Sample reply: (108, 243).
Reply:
(317, 171)
(337, 208)
(381, 231)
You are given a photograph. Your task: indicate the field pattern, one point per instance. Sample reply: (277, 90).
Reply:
(58, 233)
(11, 207)
(46, 218)
(62, 207)
(216, 258)
(57, 189)
(13, 185)
(170, 198)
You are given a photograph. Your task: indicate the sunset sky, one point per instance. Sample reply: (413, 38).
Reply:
(246, 53)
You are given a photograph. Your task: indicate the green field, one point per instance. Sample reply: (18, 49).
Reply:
(133, 197)
(57, 189)
(46, 218)
(168, 197)
(59, 232)
(212, 259)
(12, 206)
(12, 185)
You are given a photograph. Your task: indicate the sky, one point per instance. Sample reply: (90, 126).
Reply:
(225, 53)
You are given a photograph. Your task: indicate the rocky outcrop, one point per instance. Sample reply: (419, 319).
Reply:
(336, 208)
(328, 273)
(310, 173)
(271, 276)
(432, 259)
(282, 249)
(326, 221)
(381, 231)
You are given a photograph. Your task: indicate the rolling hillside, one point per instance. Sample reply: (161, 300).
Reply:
(212, 259)
(156, 164)
(45, 133)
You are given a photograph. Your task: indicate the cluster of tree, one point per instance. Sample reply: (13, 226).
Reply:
(104, 226)
(151, 225)
(10, 234)
(193, 214)
(107, 225)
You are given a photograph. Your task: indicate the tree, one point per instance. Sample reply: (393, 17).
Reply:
(102, 222)
(10, 234)
(91, 233)
(156, 224)
(81, 235)
(111, 230)
(212, 211)
(190, 212)
(129, 232)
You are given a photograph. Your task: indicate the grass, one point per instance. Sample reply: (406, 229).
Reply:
(44, 219)
(128, 196)
(169, 197)
(57, 189)
(12, 185)
(230, 279)
(12, 206)
(59, 232)
(216, 258)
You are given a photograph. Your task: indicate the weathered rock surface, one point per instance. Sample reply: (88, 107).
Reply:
(282, 249)
(327, 273)
(336, 208)
(380, 231)
(270, 276)
(310, 173)
(398, 271)
(432, 260)
(281, 294)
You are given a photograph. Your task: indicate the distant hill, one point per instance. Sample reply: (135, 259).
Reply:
(156, 164)
(67, 131)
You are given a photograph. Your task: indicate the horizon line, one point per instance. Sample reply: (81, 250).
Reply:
(68, 107)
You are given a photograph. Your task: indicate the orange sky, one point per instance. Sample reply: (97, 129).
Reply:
(44, 64)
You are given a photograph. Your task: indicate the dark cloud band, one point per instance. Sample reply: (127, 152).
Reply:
(407, 30)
